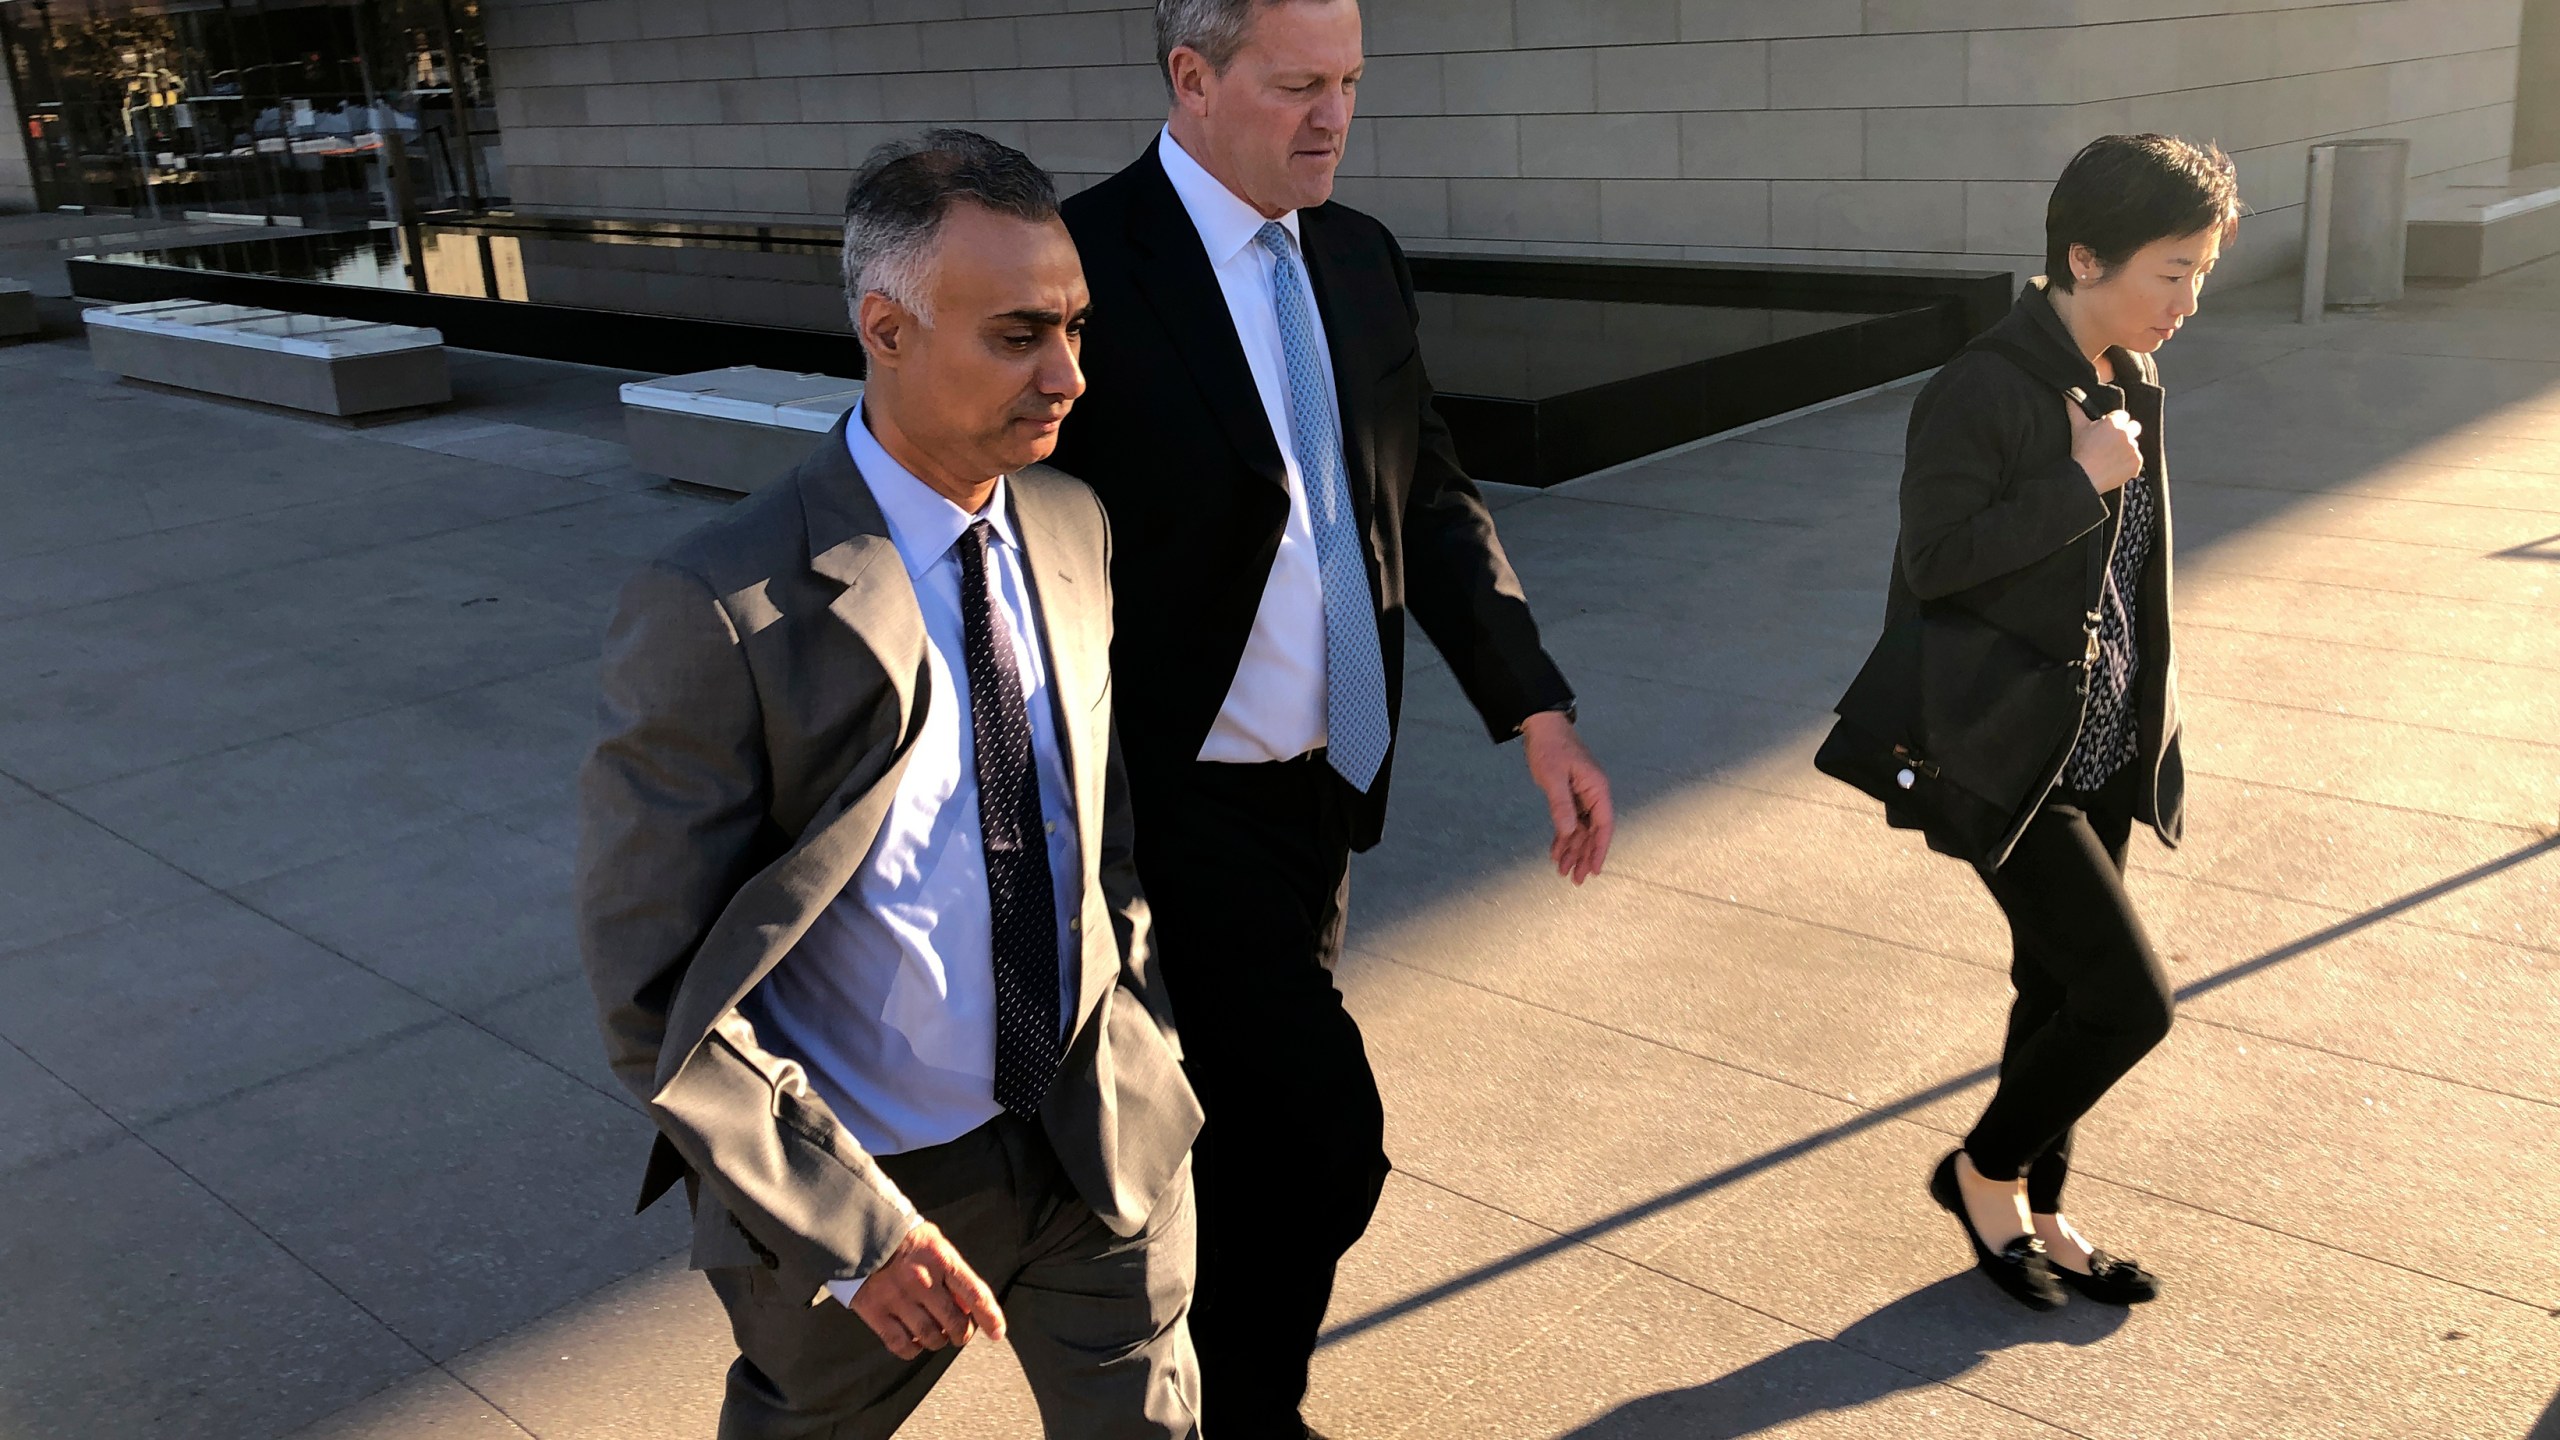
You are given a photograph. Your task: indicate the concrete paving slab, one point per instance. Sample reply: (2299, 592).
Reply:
(1828, 1012)
(482, 748)
(1873, 423)
(2366, 392)
(2375, 568)
(142, 1306)
(2499, 632)
(67, 874)
(180, 674)
(2473, 1011)
(489, 1201)
(646, 1357)
(2209, 511)
(1591, 1126)
(464, 498)
(2500, 782)
(642, 1357)
(519, 447)
(1652, 1359)
(2470, 697)
(430, 1405)
(2258, 1334)
(1805, 663)
(2328, 850)
(259, 810)
(1399, 1339)
(1773, 853)
(2379, 1163)
(43, 1120)
(465, 915)
(550, 816)
(555, 1023)
(2391, 480)
(79, 575)
(184, 1006)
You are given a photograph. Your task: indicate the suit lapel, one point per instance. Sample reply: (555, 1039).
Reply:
(1077, 645)
(1332, 273)
(849, 543)
(1174, 274)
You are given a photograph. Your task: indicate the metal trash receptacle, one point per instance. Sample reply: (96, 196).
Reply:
(2355, 225)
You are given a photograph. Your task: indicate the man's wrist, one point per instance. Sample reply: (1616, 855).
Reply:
(1570, 710)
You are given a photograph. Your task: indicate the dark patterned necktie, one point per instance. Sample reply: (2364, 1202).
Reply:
(1022, 915)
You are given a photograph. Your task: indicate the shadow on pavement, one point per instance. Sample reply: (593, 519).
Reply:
(1948, 1327)
(1916, 1101)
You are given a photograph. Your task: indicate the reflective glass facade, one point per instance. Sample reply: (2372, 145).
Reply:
(312, 110)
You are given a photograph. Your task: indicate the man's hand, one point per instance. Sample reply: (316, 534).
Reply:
(1577, 794)
(925, 1297)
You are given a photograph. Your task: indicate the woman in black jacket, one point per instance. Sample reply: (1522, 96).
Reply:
(2028, 520)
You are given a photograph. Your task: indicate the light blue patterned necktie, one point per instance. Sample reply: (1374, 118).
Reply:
(1355, 699)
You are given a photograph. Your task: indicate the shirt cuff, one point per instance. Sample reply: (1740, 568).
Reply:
(843, 1291)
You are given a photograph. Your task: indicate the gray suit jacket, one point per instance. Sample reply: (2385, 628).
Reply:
(763, 682)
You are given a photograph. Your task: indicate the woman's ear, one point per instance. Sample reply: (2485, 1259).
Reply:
(2085, 269)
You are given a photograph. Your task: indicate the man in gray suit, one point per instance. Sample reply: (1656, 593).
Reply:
(855, 890)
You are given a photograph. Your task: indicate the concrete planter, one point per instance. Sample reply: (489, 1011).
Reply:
(17, 310)
(302, 362)
(733, 429)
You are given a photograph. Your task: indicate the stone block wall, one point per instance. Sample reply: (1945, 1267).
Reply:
(1838, 131)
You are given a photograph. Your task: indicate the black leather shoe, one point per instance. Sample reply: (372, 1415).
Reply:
(2111, 1280)
(2021, 1267)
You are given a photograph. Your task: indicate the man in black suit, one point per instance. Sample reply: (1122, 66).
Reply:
(1281, 493)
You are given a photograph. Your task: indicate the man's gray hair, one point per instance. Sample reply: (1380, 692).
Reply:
(1215, 28)
(894, 209)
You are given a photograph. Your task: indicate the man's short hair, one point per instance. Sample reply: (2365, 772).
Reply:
(2122, 192)
(894, 209)
(1215, 28)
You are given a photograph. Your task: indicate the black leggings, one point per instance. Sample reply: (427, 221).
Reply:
(2092, 997)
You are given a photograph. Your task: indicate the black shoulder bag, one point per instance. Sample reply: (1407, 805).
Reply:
(1957, 725)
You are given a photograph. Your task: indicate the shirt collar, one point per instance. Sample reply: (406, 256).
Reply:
(1226, 224)
(923, 523)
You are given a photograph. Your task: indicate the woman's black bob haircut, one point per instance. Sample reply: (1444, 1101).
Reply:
(2122, 192)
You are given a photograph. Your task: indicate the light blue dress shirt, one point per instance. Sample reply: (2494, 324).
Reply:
(889, 1001)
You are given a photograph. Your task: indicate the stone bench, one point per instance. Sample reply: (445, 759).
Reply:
(733, 429)
(17, 309)
(2462, 232)
(303, 362)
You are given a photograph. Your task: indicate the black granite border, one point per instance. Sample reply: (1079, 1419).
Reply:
(662, 344)
(1911, 320)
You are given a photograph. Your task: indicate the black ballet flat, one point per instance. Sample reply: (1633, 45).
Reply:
(2111, 1280)
(2020, 1267)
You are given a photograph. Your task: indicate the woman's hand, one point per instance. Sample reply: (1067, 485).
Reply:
(2105, 448)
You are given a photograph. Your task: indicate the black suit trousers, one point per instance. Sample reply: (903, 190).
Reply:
(2092, 996)
(1246, 868)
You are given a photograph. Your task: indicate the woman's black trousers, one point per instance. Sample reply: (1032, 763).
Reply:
(2092, 997)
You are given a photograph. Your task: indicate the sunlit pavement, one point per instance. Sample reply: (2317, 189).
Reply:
(302, 1119)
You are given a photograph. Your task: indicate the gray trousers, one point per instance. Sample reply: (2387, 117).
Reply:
(1099, 1321)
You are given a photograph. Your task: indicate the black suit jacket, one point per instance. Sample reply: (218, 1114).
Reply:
(1172, 435)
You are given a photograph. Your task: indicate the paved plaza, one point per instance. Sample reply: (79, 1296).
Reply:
(304, 1126)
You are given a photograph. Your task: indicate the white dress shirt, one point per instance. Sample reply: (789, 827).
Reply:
(889, 1001)
(1275, 709)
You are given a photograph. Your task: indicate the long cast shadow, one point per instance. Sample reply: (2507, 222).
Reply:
(1917, 1100)
(1937, 1329)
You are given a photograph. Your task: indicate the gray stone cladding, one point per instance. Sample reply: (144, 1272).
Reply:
(1836, 131)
